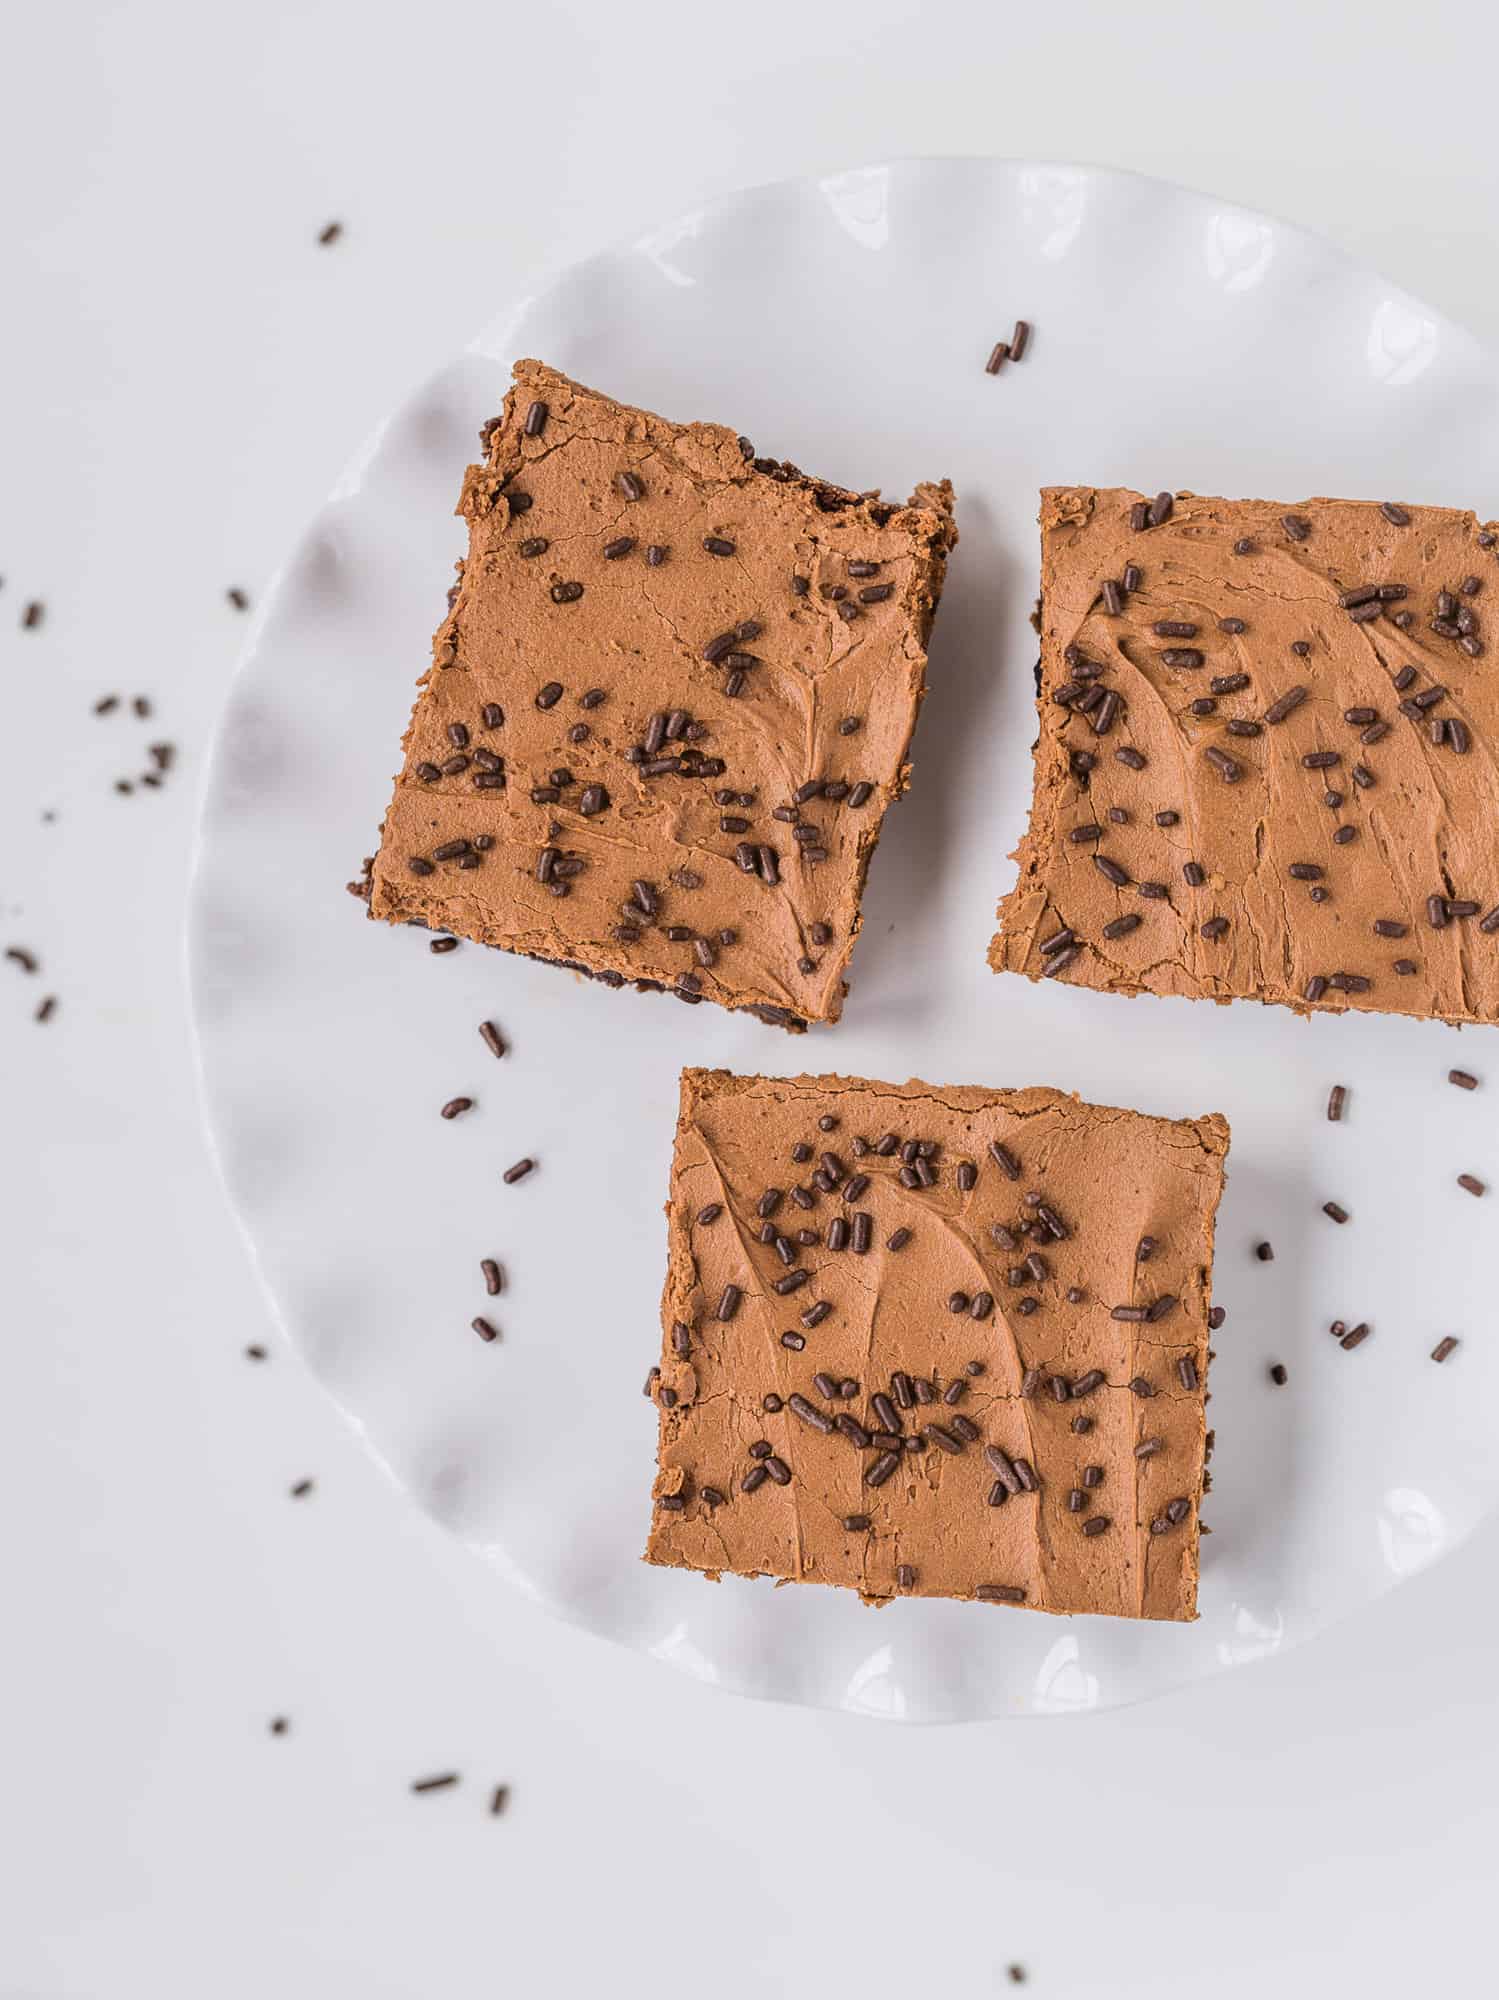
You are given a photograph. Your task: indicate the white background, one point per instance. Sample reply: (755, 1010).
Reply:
(186, 373)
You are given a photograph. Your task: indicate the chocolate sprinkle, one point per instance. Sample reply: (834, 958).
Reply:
(1286, 704)
(810, 1414)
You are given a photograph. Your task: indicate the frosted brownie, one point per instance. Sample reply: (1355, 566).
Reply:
(670, 702)
(936, 1342)
(1266, 761)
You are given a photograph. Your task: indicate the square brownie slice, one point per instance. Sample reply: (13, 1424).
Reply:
(936, 1342)
(1266, 759)
(670, 702)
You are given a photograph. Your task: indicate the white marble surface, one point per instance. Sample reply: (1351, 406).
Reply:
(187, 372)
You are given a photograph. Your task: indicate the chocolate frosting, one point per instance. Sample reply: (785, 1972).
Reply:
(1317, 880)
(1111, 1178)
(820, 601)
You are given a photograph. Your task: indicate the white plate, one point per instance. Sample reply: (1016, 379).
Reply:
(844, 323)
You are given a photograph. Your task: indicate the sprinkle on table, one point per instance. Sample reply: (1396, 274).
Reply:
(1443, 1348)
(1337, 1098)
(1464, 1079)
(442, 1782)
(1265, 1252)
(1278, 1374)
(1472, 1183)
(1337, 1213)
(330, 233)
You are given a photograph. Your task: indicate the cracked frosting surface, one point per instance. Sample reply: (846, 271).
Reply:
(1110, 1177)
(1317, 881)
(820, 601)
